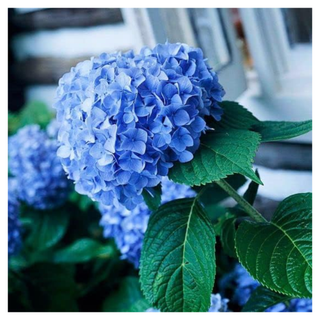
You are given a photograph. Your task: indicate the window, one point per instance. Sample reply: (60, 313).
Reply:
(210, 28)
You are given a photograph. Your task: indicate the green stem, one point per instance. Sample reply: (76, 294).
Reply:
(247, 207)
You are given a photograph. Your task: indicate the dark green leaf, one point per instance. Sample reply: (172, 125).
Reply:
(48, 228)
(215, 212)
(214, 194)
(218, 224)
(18, 296)
(103, 272)
(235, 116)
(251, 192)
(152, 197)
(262, 299)
(281, 130)
(220, 154)
(52, 287)
(82, 201)
(279, 253)
(128, 298)
(228, 234)
(178, 258)
(83, 250)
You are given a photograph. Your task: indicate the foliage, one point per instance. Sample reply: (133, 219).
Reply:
(177, 261)
(279, 253)
(77, 255)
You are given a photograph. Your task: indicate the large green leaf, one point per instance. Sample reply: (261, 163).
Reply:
(281, 130)
(262, 299)
(178, 258)
(152, 197)
(48, 227)
(128, 298)
(235, 116)
(220, 154)
(279, 253)
(83, 250)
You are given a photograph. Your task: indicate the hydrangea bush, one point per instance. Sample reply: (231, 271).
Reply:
(153, 153)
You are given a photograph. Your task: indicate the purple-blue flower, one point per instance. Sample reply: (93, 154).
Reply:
(126, 118)
(128, 227)
(41, 181)
(240, 283)
(14, 235)
(294, 305)
(218, 304)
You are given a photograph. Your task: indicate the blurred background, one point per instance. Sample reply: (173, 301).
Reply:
(263, 58)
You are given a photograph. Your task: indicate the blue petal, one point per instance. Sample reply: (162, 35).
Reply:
(181, 118)
(185, 156)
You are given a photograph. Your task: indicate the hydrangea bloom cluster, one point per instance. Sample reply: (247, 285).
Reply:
(240, 283)
(128, 227)
(295, 305)
(126, 118)
(41, 181)
(217, 304)
(14, 236)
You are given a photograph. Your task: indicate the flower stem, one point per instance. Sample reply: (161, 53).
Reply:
(247, 207)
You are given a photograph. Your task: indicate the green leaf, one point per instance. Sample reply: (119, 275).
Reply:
(228, 235)
(262, 299)
(214, 194)
(279, 253)
(35, 112)
(220, 221)
(13, 123)
(83, 250)
(281, 130)
(251, 192)
(215, 212)
(52, 287)
(18, 297)
(178, 258)
(48, 227)
(220, 154)
(82, 201)
(235, 116)
(152, 197)
(128, 298)
(103, 272)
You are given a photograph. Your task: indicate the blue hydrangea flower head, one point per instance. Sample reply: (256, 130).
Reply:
(240, 283)
(217, 304)
(14, 235)
(126, 118)
(33, 162)
(294, 305)
(128, 227)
